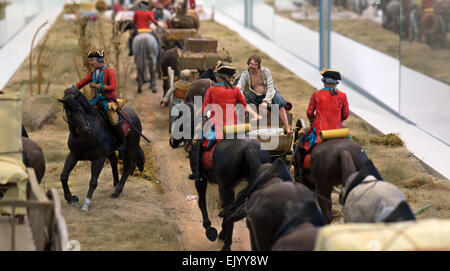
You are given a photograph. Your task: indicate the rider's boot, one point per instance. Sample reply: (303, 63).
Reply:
(122, 141)
(195, 159)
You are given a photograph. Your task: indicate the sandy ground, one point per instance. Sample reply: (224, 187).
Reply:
(154, 212)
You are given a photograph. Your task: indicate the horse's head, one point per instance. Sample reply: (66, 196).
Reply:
(357, 178)
(208, 74)
(77, 109)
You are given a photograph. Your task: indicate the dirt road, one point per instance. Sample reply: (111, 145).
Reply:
(172, 169)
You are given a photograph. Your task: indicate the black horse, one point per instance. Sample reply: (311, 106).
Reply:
(92, 138)
(234, 160)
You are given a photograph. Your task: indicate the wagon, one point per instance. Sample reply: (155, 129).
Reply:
(30, 219)
(32, 222)
(173, 37)
(199, 54)
(277, 143)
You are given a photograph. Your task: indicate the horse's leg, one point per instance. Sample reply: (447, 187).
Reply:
(69, 164)
(324, 199)
(127, 170)
(201, 186)
(226, 234)
(138, 60)
(96, 168)
(152, 69)
(113, 162)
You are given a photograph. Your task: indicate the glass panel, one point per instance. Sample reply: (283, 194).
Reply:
(235, 9)
(425, 66)
(15, 14)
(278, 21)
(365, 47)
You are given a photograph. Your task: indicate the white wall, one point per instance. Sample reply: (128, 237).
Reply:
(425, 101)
(373, 71)
(297, 39)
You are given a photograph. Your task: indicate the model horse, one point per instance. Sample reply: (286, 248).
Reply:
(92, 139)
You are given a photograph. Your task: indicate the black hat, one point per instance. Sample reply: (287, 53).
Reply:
(96, 53)
(143, 4)
(225, 68)
(333, 74)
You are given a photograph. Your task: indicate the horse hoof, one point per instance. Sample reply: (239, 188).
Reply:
(211, 233)
(221, 235)
(114, 195)
(226, 248)
(153, 90)
(75, 199)
(86, 204)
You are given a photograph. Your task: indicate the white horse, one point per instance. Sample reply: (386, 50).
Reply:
(146, 50)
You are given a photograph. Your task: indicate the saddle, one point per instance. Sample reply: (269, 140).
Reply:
(208, 151)
(115, 118)
(315, 140)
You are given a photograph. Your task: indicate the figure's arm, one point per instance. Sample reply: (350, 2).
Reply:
(152, 18)
(206, 100)
(134, 18)
(242, 81)
(240, 97)
(111, 82)
(248, 108)
(311, 107)
(345, 108)
(270, 91)
(87, 79)
(168, 94)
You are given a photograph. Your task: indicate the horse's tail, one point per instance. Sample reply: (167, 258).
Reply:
(140, 158)
(237, 215)
(347, 165)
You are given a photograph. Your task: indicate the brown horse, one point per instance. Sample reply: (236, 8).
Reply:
(368, 199)
(233, 161)
(433, 30)
(168, 59)
(265, 202)
(33, 157)
(300, 228)
(332, 162)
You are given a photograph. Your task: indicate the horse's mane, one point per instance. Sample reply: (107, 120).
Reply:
(367, 169)
(298, 214)
(79, 97)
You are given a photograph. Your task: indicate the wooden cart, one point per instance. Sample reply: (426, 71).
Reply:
(41, 228)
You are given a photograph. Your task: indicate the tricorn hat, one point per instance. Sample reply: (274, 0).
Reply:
(329, 73)
(225, 68)
(144, 4)
(96, 53)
